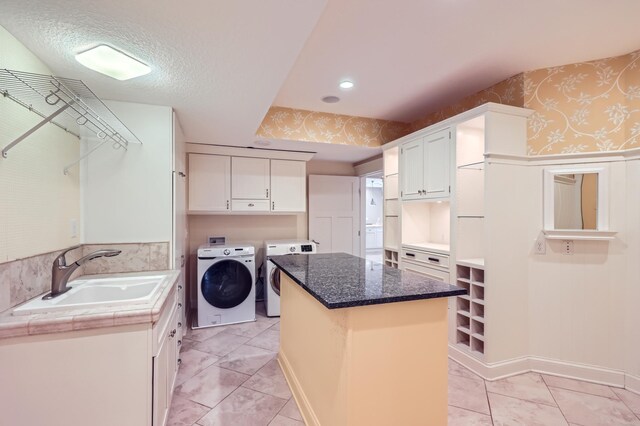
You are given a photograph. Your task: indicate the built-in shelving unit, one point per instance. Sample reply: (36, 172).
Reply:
(391, 208)
(470, 309)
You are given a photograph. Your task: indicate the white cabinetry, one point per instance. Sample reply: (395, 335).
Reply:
(209, 183)
(426, 166)
(165, 365)
(249, 178)
(288, 186)
(227, 184)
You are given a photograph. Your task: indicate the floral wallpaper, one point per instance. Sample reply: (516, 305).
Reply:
(509, 92)
(589, 106)
(311, 126)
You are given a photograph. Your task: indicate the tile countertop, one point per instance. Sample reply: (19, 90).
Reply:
(340, 280)
(84, 318)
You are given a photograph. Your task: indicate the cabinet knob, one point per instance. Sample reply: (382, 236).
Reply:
(179, 342)
(267, 192)
(273, 205)
(179, 325)
(179, 305)
(173, 333)
(251, 204)
(179, 287)
(227, 204)
(179, 361)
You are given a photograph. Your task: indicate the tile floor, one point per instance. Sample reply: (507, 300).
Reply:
(229, 377)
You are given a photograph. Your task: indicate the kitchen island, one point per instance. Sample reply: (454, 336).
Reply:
(363, 344)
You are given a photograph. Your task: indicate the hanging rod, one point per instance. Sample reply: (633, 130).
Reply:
(66, 103)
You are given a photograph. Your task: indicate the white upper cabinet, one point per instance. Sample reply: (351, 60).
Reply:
(288, 186)
(209, 183)
(250, 178)
(425, 163)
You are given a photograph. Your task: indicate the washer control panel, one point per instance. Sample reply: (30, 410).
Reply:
(306, 248)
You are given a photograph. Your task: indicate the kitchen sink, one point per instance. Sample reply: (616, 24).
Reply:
(97, 293)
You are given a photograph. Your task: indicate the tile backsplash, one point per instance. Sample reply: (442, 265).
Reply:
(24, 279)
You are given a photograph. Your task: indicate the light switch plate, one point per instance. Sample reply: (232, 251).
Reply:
(567, 247)
(541, 244)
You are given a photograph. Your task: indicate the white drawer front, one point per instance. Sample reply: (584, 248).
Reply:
(432, 273)
(426, 258)
(250, 205)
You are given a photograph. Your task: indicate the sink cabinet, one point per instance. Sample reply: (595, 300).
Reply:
(122, 374)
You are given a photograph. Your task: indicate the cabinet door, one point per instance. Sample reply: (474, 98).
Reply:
(209, 182)
(437, 164)
(161, 396)
(249, 178)
(288, 186)
(412, 161)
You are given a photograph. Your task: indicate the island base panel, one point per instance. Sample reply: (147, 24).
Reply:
(366, 365)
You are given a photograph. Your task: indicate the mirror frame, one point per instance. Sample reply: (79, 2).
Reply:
(602, 222)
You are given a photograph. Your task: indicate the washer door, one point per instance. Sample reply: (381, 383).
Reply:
(226, 284)
(274, 279)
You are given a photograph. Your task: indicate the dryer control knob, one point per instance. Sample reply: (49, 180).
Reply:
(292, 249)
(227, 252)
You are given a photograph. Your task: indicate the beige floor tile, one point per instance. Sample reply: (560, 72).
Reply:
(193, 362)
(459, 370)
(469, 394)
(202, 334)
(273, 385)
(591, 410)
(579, 386)
(291, 410)
(244, 407)
(271, 368)
(211, 385)
(249, 329)
(507, 411)
(284, 421)
(275, 326)
(268, 339)
(187, 344)
(246, 359)
(461, 417)
(184, 412)
(528, 386)
(221, 344)
(631, 400)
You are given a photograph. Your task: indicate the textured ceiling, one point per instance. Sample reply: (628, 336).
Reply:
(219, 63)
(411, 57)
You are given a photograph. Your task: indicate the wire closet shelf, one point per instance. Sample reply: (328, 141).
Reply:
(68, 104)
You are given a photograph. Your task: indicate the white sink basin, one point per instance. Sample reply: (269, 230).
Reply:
(97, 293)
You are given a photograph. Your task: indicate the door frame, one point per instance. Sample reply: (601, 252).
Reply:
(363, 208)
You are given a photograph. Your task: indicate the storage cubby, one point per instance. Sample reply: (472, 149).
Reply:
(470, 276)
(391, 258)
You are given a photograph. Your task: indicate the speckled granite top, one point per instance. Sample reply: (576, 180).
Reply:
(340, 280)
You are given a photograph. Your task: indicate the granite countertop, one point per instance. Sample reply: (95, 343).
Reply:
(340, 280)
(77, 318)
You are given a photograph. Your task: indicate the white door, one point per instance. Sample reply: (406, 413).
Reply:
(334, 213)
(437, 164)
(249, 178)
(412, 161)
(209, 182)
(288, 186)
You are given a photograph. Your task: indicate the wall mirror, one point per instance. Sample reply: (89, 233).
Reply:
(576, 203)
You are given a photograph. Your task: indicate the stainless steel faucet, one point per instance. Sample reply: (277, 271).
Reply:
(60, 272)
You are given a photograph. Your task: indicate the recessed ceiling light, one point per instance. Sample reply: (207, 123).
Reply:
(112, 62)
(346, 84)
(331, 99)
(262, 142)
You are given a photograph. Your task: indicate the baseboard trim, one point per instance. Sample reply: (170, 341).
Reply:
(632, 383)
(512, 367)
(301, 399)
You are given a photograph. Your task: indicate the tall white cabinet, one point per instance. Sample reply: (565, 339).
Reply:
(288, 186)
(451, 209)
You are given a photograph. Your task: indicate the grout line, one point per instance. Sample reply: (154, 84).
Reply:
(486, 394)
(554, 399)
(469, 409)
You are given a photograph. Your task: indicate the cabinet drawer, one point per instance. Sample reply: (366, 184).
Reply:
(426, 258)
(250, 205)
(161, 328)
(436, 274)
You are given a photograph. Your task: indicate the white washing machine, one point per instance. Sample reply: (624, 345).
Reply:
(226, 284)
(272, 273)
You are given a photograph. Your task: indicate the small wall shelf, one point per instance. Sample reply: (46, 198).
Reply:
(577, 234)
(68, 104)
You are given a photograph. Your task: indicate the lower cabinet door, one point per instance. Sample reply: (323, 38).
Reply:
(165, 370)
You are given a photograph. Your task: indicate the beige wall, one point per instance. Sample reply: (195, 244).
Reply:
(37, 200)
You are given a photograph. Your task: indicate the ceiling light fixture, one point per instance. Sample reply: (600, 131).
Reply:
(346, 84)
(112, 62)
(331, 99)
(262, 142)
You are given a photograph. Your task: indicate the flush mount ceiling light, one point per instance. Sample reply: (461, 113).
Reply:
(262, 142)
(331, 99)
(112, 62)
(346, 84)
